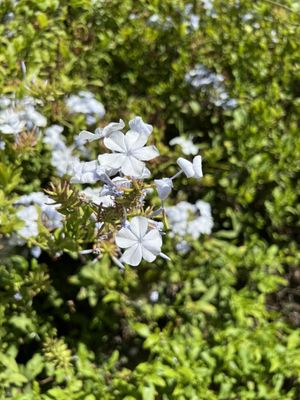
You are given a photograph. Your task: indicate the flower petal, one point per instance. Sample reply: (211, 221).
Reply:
(132, 167)
(145, 174)
(164, 187)
(84, 172)
(113, 127)
(197, 164)
(145, 153)
(116, 142)
(133, 255)
(186, 166)
(113, 161)
(147, 255)
(139, 226)
(125, 238)
(134, 140)
(87, 136)
(138, 125)
(152, 241)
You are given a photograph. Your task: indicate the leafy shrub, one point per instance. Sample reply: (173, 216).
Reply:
(207, 324)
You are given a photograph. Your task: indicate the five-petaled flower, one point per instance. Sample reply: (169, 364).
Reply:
(129, 153)
(139, 241)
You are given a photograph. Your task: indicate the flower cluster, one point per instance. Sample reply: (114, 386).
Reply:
(62, 157)
(115, 188)
(186, 144)
(50, 217)
(122, 214)
(202, 78)
(189, 221)
(34, 209)
(85, 103)
(18, 115)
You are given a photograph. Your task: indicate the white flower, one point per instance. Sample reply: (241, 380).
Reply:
(36, 251)
(129, 153)
(191, 169)
(186, 145)
(87, 136)
(29, 216)
(138, 125)
(190, 220)
(105, 172)
(85, 103)
(54, 138)
(63, 160)
(205, 221)
(116, 186)
(10, 122)
(164, 187)
(182, 247)
(18, 296)
(51, 218)
(154, 296)
(20, 114)
(85, 172)
(204, 208)
(121, 183)
(33, 118)
(90, 119)
(5, 102)
(139, 242)
(95, 195)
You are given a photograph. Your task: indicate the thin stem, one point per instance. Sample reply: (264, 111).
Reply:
(164, 215)
(124, 216)
(177, 174)
(118, 262)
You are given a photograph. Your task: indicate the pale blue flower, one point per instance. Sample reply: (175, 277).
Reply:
(154, 296)
(129, 153)
(189, 220)
(213, 84)
(138, 125)
(85, 172)
(95, 195)
(164, 187)
(29, 216)
(53, 137)
(63, 160)
(33, 118)
(85, 103)
(139, 241)
(100, 133)
(11, 122)
(50, 217)
(186, 144)
(193, 169)
(18, 296)
(36, 251)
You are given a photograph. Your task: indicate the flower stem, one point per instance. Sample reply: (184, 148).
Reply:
(177, 174)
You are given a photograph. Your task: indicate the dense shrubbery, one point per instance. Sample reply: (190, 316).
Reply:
(220, 321)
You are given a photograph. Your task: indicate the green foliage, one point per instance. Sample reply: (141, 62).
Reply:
(74, 328)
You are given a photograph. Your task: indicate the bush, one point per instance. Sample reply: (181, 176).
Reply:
(211, 323)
